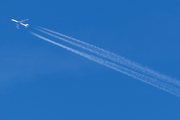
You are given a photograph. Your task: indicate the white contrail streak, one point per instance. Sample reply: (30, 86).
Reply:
(143, 78)
(116, 58)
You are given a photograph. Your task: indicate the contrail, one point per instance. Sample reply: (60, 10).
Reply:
(156, 83)
(116, 58)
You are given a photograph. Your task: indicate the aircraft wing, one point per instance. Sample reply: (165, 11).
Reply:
(17, 26)
(23, 20)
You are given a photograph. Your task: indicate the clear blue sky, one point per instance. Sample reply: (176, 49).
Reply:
(40, 81)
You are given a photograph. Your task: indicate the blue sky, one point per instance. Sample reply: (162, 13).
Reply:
(39, 80)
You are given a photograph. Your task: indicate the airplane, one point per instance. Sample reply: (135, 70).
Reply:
(20, 22)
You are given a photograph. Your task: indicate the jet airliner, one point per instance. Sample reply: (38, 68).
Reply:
(20, 22)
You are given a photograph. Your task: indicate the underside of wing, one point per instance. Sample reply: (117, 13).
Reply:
(17, 26)
(23, 20)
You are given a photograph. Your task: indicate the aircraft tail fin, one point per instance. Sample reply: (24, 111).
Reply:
(26, 25)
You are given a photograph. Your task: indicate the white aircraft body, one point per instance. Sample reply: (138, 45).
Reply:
(20, 22)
